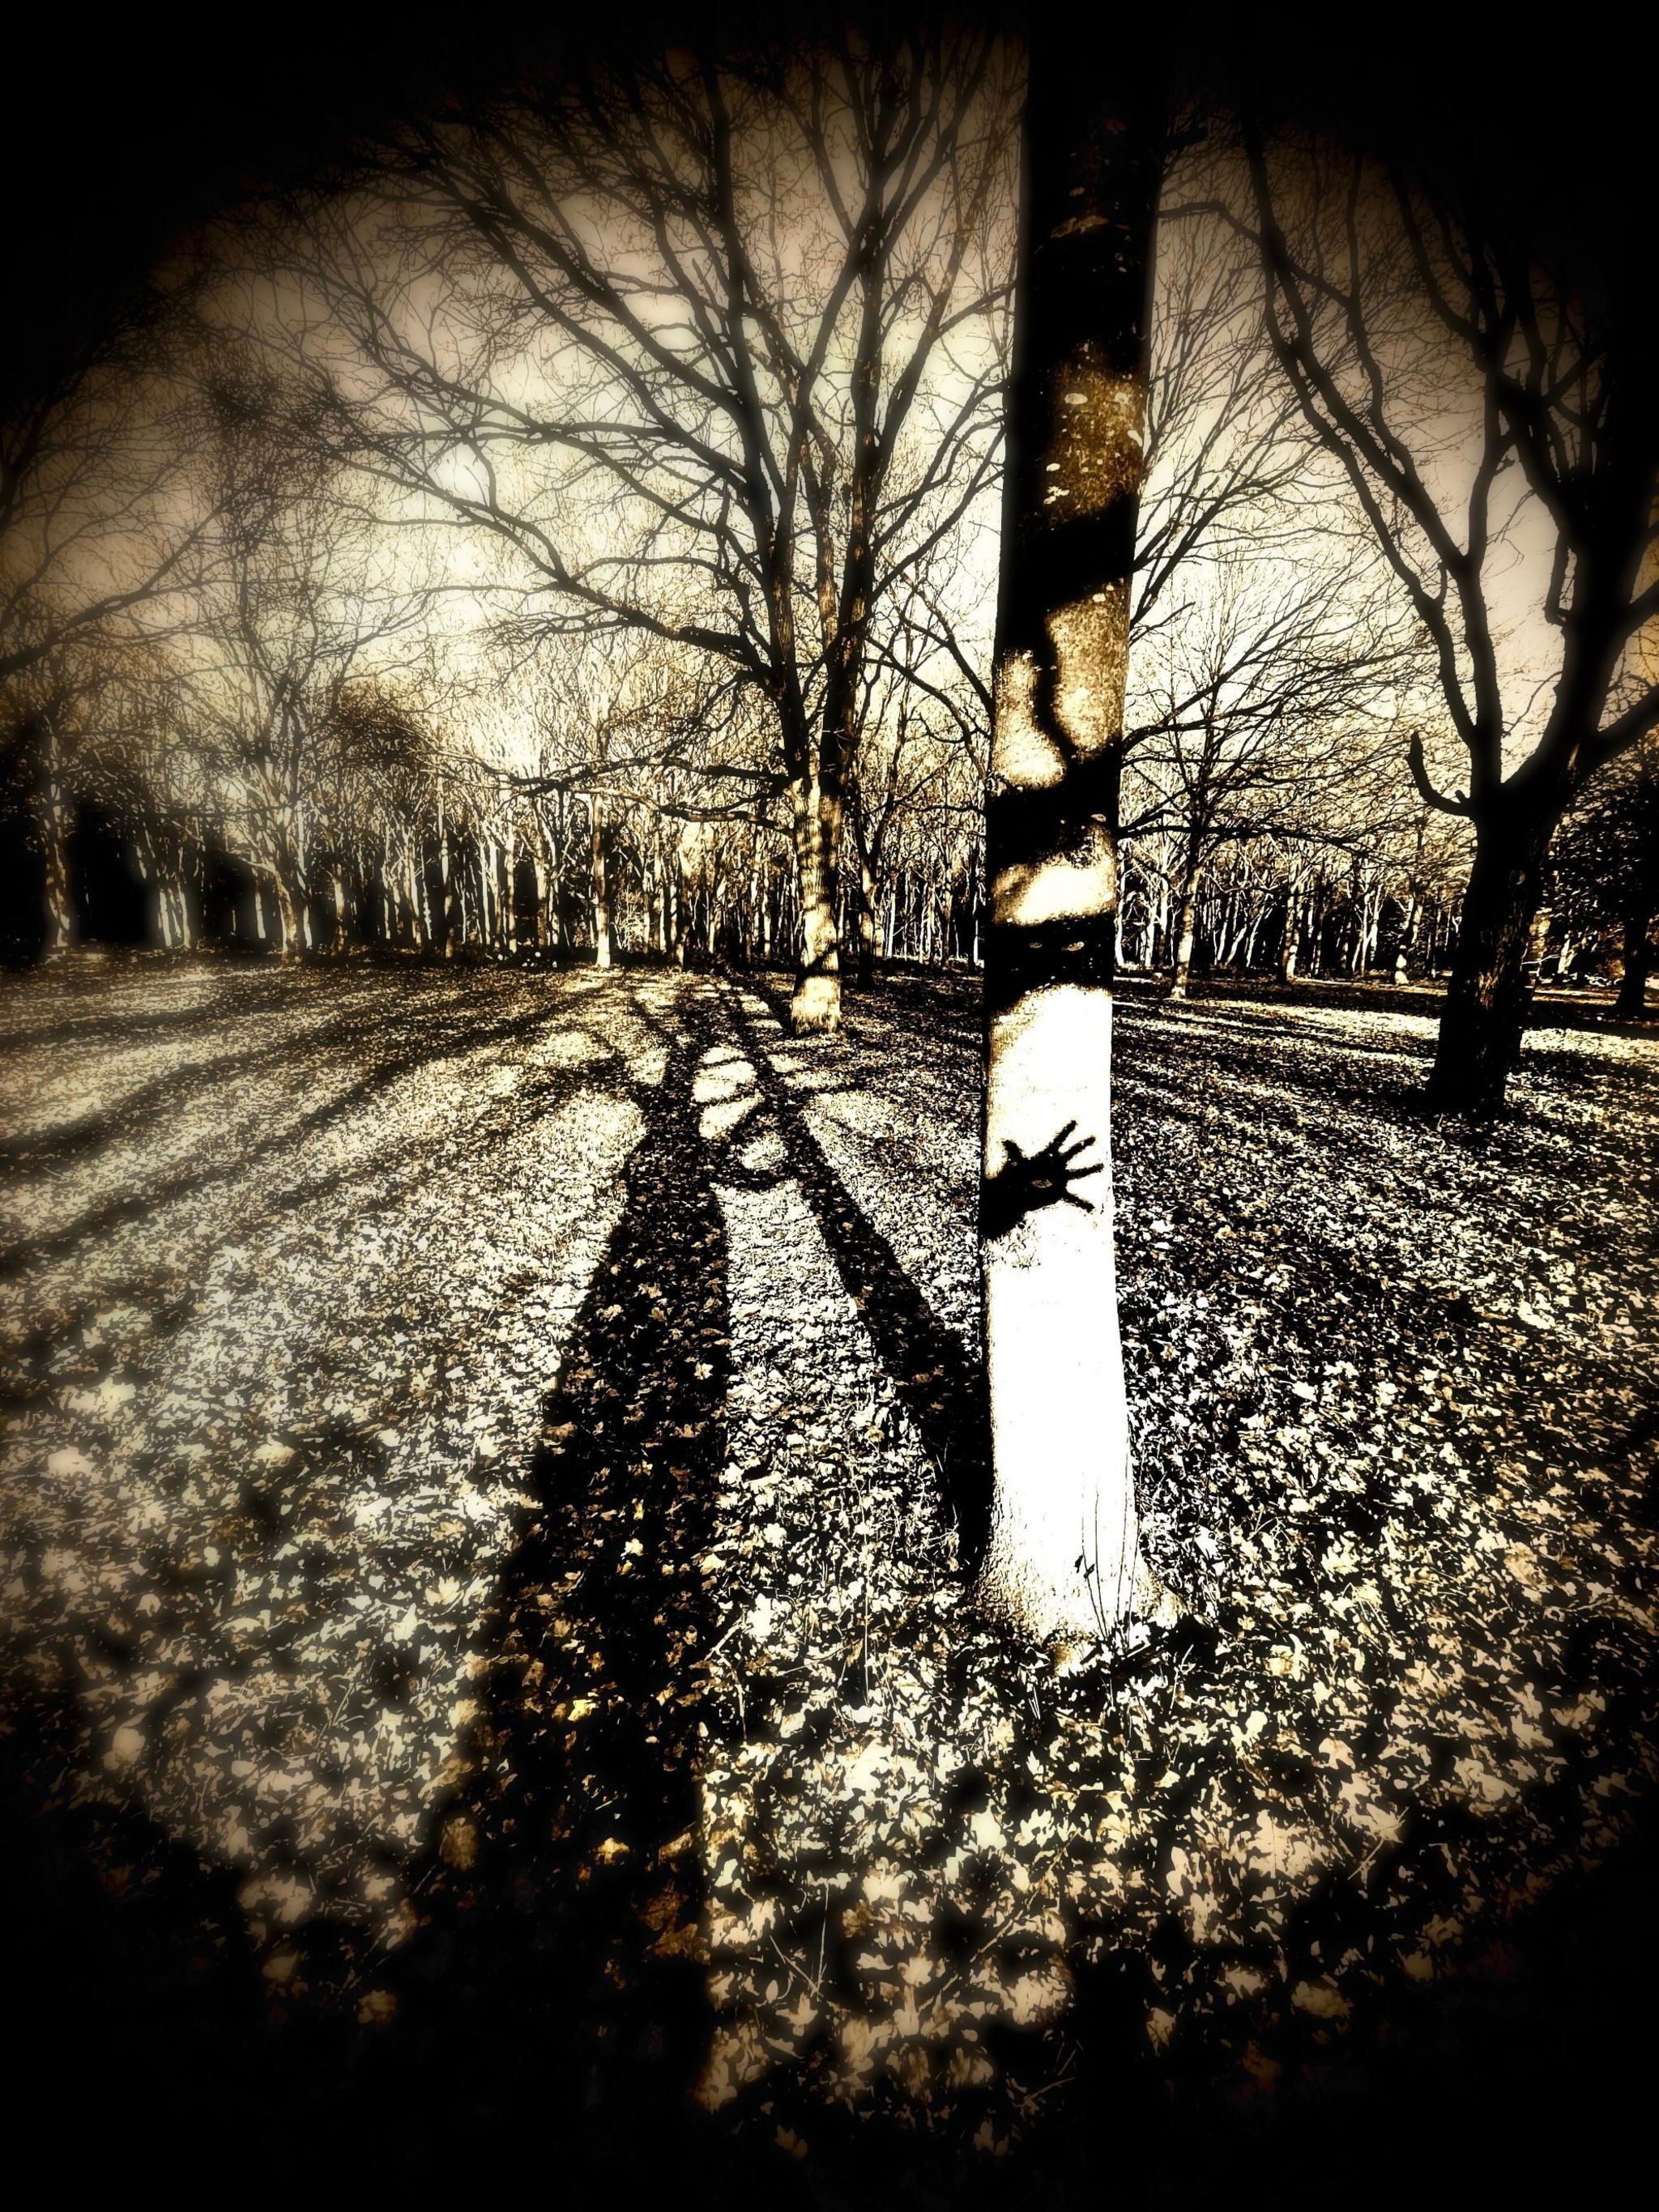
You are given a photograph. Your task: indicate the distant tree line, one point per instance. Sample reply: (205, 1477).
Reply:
(574, 539)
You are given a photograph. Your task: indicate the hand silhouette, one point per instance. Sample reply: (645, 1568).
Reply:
(1022, 1182)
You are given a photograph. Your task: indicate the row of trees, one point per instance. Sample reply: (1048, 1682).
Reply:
(389, 834)
(663, 406)
(363, 821)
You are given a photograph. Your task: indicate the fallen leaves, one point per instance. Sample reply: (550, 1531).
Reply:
(269, 1468)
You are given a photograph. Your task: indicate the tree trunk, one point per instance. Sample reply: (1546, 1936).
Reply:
(158, 907)
(52, 827)
(680, 926)
(1632, 1003)
(604, 945)
(410, 894)
(1411, 922)
(815, 1009)
(1485, 1012)
(465, 889)
(1252, 937)
(507, 876)
(547, 862)
(447, 917)
(1291, 945)
(1187, 928)
(484, 854)
(182, 934)
(418, 870)
(867, 971)
(287, 914)
(538, 895)
(1063, 1561)
(1317, 915)
(1408, 945)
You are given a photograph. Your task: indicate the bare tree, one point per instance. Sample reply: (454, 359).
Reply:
(1064, 1560)
(748, 306)
(297, 594)
(1606, 862)
(91, 460)
(1387, 300)
(1275, 679)
(93, 530)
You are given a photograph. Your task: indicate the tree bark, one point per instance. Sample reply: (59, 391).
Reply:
(815, 1009)
(604, 944)
(1290, 946)
(545, 849)
(1063, 1561)
(680, 922)
(51, 809)
(422, 884)
(867, 970)
(538, 894)
(1407, 945)
(506, 898)
(1159, 928)
(1485, 1013)
(484, 849)
(1632, 1003)
(446, 913)
(1187, 927)
(287, 920)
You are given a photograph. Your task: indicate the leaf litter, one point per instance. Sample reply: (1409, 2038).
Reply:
(293, 1261)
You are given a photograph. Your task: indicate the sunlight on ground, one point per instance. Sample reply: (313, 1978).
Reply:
(259, 1508)
(1408, 1590)
(292, 1262)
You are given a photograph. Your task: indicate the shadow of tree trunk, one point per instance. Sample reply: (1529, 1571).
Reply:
(942, 1389)
(553, 1985)
(558, 1958)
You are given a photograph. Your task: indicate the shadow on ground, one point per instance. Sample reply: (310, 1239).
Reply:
(1549, 1008)
(550, 1996)
(552, 1980)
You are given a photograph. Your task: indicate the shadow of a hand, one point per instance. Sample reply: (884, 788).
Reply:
(1025, 1182)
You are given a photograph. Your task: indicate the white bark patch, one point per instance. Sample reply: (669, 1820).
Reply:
(817, 1006)
(1064, 1557)
(1097, 436)
(1025, 754)
(1090, 643)
(1054, 889)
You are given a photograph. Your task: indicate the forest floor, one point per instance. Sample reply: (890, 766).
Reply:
(484, 1639)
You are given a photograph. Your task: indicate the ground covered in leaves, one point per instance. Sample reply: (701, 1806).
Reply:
(487, 1459)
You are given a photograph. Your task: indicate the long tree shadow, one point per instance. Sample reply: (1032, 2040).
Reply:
(276, 988)
(552, 1991)
(942, 1389)
(1202, 1064)
(1547, 1010)
(556, 1969)
(170, 1292)
(1245, 1085)
(553, 1980)
(62, 1142)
